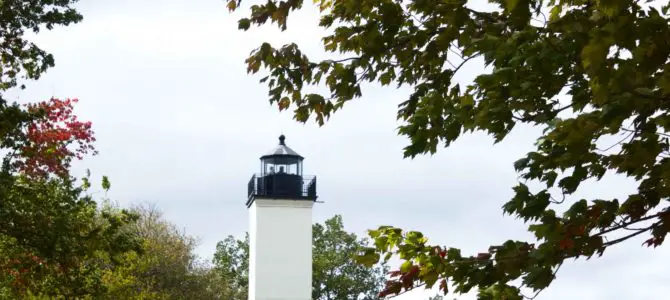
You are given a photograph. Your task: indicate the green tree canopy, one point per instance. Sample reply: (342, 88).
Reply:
(594, 75)
(165, 268)
(52, 238)
(335, 274)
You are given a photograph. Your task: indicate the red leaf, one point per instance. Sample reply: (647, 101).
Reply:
(566, 244)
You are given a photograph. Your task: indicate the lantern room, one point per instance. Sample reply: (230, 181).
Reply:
(281, 176)
(281, 160)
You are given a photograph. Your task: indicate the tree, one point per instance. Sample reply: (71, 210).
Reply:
(51, 230)
(50, 227)
(594, 74)
(166, 268)
(335, 275)
(231, 262)
(21, 59)
(51, 238)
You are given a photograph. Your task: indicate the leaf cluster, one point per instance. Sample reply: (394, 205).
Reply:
(587, 72)
(20, 58)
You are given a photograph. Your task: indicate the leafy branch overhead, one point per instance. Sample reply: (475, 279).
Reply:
(22, 59)
(594, 74)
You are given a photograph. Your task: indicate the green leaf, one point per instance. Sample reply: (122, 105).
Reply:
(511, 4)
(244, 24)
(105, 183)
(555, 12)
(521, 164)
(645, 91)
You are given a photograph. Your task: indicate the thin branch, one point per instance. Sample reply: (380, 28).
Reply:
(452, 65)
(564, 108)
(621, 239)
(659, 133)
(465, 61)
(619, 142)
(622, 225)
(332, 61)
(553, 200)
(633, 229)
(423, 23)
(545, 18)
(454, 51)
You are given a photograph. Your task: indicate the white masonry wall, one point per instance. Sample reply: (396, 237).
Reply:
(280, 249)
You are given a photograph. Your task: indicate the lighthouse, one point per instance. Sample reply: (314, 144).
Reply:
(280, 201)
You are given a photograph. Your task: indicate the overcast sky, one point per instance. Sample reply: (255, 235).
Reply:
(179, 123)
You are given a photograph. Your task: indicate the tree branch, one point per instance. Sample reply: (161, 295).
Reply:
(659, 133)
(626, 224)
(465, 61)
(333, 61)
(553, 200)
(621, 239)
(619, 142)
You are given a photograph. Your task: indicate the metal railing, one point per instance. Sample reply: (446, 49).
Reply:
(285, 186)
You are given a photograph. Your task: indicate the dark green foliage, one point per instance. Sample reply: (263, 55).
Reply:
(231, 262)
(21, 58)
(594, 75)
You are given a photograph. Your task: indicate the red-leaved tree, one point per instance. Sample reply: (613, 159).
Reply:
(53, 139)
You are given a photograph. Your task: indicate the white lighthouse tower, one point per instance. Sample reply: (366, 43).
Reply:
(280, 227)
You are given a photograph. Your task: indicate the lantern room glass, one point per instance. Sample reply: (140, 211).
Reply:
(279, 164)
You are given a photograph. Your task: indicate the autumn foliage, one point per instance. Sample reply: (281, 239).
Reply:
(21, 270)
(54, 139)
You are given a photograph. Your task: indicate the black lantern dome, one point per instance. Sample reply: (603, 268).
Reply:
(281, 176)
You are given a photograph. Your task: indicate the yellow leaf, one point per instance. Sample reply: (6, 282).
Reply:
(323, 4)
(232, 5)
(555, 13)
(284, 103)
(511, 4)
(467, 100)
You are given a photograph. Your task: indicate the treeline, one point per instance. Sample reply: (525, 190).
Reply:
(138, 254)
(58, 242)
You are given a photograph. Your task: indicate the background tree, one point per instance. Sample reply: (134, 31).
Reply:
(231, 262)
(594, 74)
(166, 267)
(335, 275)
(50, 227)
